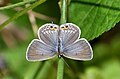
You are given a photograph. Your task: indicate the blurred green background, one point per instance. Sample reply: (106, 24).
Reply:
(94, 18)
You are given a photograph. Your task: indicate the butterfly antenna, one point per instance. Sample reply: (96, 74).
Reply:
(66, 63)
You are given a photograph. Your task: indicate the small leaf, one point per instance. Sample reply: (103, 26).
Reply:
(94, 17)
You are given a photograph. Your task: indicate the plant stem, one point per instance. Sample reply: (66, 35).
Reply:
(21, 13)
(32, 20)
(62, 20)
(60, 69)
(15, 5)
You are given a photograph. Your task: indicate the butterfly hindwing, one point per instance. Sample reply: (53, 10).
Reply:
(38, 51)
(80, 50)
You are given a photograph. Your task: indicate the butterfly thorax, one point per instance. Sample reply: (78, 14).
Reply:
(59, 47)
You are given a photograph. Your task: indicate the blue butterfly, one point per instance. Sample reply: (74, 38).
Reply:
(60, 40)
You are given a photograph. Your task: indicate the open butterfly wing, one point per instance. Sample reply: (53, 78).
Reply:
(70, 45)
(38, 51)
(69, 33)
(80, 50)
(48, 33)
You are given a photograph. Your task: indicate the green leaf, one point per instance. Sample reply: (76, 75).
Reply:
(94, 17)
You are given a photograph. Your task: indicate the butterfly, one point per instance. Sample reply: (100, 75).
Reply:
(60, 40)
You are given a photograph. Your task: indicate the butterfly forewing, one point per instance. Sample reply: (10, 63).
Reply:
(38, 51)
(69, 33)
(71, 46)
(48, 33)
(80, 50)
